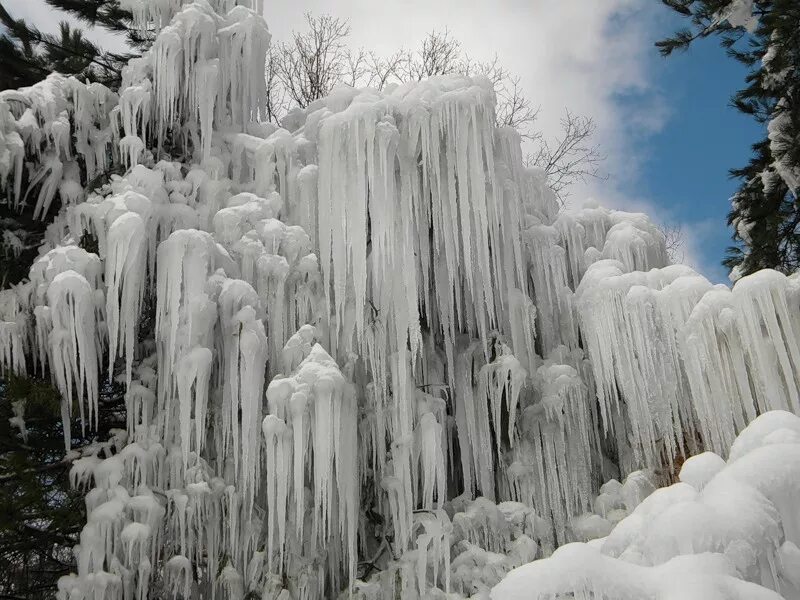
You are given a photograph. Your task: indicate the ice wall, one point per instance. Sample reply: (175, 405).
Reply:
(382, 361)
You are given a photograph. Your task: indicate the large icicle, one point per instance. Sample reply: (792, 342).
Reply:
(73, 351)
(630, 322)
(316, 407)
(125, 274)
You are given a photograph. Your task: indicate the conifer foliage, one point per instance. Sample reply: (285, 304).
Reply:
(30, 54)
(763, 35)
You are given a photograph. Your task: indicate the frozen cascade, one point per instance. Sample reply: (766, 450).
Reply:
(305, 432)
(73, 355)
(630, 321)
(748, 337)
(125, 273)
(244, 356)
(455, 366)
(718, 533)
(552, 465)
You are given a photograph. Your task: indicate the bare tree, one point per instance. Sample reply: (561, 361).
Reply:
(514, 108)
(276, 93)
(440, 54)
(673, 238)
(315, 61)
(357, 68)
(381, 71)
(572, 157)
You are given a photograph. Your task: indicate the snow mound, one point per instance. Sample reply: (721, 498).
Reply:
(727, 530)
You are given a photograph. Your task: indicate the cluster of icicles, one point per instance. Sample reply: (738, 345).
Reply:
(451, 362)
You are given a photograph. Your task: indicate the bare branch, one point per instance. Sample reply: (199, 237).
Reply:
(276, 92)
(440, 54)
(675, 243)
(382, 70)
(572, 157)
(514, 108)
(357, 68)
(315, 61)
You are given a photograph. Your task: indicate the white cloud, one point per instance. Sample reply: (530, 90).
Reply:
(695, 258)
(570, 53)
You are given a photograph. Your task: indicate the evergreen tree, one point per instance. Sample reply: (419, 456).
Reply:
(763, 35)
(40, 515)
(30, 54)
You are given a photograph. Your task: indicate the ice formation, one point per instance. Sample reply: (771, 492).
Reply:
(726, 530)
(366, 354)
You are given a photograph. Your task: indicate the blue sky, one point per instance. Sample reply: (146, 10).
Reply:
(664, 124)
(687, 161)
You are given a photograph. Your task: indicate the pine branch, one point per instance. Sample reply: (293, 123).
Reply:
(680, 6)
(32, 470)
(68, 52)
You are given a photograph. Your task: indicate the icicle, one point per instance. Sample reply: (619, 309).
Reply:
(125, 273)
(272, 273)
(502, 379)
(243, 48)
(278, 438)
(552, 464)
(185, 261)
(630, 322)
(554, 303)
(318, 392)
(13, 334)
(432, 461)
(244, 354)
(522, 320)
(178, 575)
(741, 356)
(73, 353)
(193, 372)
(770, 329)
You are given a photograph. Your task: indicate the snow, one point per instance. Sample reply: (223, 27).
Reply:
(739, 13)
(727, 530)
(698, 470)
(384, 363)
(701, 577)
